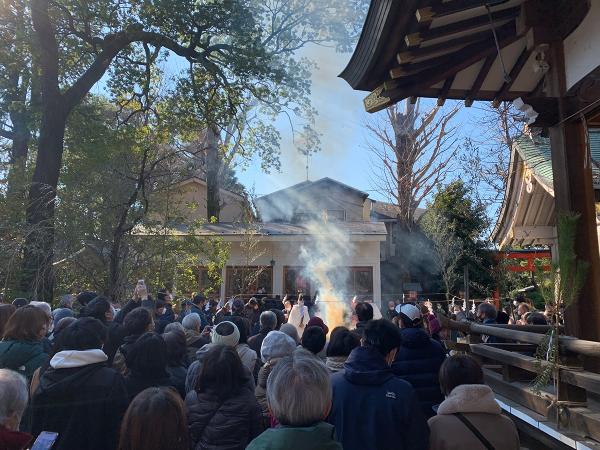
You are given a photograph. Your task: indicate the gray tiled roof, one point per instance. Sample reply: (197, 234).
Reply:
(284, 229)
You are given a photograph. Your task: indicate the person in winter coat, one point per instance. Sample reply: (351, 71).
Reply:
(388, 407)
(268, 322)
(225, 333)
(147, 363)
(21, 349)
(299, 317)
(193, 339)
(13, 401)
(364, 313)
(275, 346)
(247, 355)
(470, 414)
(101, 309)
(155, 420)
(177, 363)
(79, 397)
(299, 395)
(136, 323)
(341, 343)
(419, 358)
(222, 412)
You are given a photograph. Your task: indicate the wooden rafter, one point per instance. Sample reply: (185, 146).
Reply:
(457, 61)
(450, 45)
(481, 76)
(466, 25)
(447, 8)
(445, 89)
(514, 73)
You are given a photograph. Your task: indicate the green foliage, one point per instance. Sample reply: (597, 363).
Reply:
(465, 219)
(560, 288)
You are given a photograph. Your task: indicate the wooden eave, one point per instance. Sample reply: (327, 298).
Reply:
(446, 49)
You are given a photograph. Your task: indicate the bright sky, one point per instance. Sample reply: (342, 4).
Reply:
(344, 156)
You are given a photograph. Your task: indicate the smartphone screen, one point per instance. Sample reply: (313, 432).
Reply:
(45, 441)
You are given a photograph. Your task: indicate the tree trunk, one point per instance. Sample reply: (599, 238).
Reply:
(114, 272)
(38, 276)
(213, 174)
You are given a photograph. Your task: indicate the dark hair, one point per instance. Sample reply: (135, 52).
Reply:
(342, 341)
(382, 335)
(83, 298)
(176, 348)
(5, 312)
(280, 317)
(198, 298)
(459, 369)
(536, 318)
(97, 309)
(242, 325)
(489, 311)
(57, 334)
(148, 355)
(364, 311)
(222, 373)
(144, 425)
(19, 302)
(313, 339)
(137, 321)
(86, 333)
(25, 324)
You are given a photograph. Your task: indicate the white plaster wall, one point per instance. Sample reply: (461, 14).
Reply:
(287, 253)
(582, 47)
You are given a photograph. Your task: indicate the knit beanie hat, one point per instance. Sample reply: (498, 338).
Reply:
(291, 331)
(225, 333)
(276, 345)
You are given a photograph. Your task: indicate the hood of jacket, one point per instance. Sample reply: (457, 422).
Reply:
(366, 366)
(414, 338)
(73, 378)
(191, 336)
(470, 398)
(68, 359)
(14, 354)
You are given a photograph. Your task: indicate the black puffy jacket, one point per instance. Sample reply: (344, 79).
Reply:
(228, 425)
(418, 361)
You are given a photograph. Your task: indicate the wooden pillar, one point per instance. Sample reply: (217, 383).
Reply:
(582, 201)
(573, 191)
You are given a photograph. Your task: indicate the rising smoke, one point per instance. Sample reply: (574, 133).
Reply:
(325, 259)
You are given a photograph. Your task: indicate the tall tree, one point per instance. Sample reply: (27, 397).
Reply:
(80, 42)
(412, 154)
(466, 219)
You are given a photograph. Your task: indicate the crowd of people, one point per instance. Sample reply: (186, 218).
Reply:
(148, 375)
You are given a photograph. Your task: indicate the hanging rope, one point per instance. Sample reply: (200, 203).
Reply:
(506, 77)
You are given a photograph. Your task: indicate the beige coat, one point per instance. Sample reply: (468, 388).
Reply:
(478, 405)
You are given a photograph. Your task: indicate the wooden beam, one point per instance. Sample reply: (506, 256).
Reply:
(468, 24)
(413, 40)
(446, 46)
(444, 91)
(481, 76)
(424, 15)
(513, 75)
(534, 232)
(456, 6)
(456, 62)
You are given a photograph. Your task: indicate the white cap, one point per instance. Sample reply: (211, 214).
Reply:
(410, 311)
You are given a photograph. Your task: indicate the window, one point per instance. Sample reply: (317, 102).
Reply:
(294, 280)
(336, 215)
(360, 281)
(246, 280)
